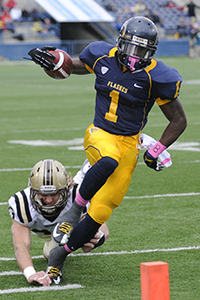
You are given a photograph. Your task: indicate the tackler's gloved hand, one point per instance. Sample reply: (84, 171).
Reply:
(40, 57)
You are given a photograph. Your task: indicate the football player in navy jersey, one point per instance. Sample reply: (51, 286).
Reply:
(128, 83)
(38, 208)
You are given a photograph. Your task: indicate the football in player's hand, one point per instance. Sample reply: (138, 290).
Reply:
(63, 64)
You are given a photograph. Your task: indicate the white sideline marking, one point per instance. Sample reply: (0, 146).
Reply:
(41, 130)
(29, 169)
(138, 251)
(10, 273)
(44, 143)
(78, 167)
(77, 144)
(164, 195)
(194, 81)
(111, 253)
(66, 129)
(147, 196)
(42, 289)
(76, 286)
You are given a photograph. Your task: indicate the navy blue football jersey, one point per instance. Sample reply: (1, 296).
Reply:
(124, 99)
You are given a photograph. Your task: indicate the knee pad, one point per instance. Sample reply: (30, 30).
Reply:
(97, 176)
(48, 245)
(106, 166)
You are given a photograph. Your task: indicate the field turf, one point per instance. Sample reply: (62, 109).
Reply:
(159, 219)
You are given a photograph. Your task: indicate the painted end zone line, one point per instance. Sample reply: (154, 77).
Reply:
(42, 289)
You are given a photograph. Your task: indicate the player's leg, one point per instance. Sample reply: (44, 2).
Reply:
(102, 151)
(104, 201)
(103, 154)
(111, 193)
(115, 188)
(108, 197)
(48, 246)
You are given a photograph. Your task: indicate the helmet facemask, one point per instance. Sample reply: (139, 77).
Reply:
(49, 211)
(49, 178)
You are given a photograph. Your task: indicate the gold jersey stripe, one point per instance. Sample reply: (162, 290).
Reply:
(161, 102)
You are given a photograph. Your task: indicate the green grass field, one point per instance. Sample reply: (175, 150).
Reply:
(163, 226)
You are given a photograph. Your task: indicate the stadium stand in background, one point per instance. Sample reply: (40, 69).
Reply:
(35, 27)
(26, 21)
(169, 12)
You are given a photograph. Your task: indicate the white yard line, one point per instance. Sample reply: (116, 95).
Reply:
(162, 195)
(78, 167)
(29, 169)
(77, 286)
(105, 254)
(148, 196)
(41, 289)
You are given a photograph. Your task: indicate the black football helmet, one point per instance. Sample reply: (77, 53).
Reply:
(137, 42)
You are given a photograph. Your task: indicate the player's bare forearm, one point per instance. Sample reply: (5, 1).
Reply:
(174, 112)
(21, 242)
(79, 67)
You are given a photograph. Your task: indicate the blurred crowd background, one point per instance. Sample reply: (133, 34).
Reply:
(25, 20)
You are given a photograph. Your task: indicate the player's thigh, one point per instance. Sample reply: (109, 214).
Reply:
(115, 188)
(99, 143)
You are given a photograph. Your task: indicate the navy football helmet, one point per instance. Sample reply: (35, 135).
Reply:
(137, 42)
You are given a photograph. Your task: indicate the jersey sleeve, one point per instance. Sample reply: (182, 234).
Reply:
(93, 52)
(166, 83)
(19, 209)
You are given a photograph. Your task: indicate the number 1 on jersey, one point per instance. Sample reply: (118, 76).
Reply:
(111, 115)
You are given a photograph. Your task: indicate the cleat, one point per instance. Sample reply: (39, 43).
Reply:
(57, 274)
(61, 233)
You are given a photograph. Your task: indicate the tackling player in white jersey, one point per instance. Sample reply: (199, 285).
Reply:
(38, 208)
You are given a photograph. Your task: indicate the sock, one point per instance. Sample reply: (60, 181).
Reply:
(82, 233)
(80, 201)
(67, 248)
(73, 215)
(57, 257)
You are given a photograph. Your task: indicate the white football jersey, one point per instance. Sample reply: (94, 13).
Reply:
(22, 211)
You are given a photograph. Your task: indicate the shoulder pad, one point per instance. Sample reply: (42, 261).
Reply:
(164, 74)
